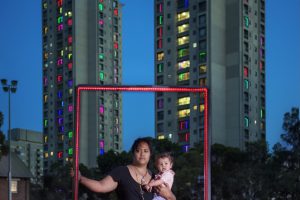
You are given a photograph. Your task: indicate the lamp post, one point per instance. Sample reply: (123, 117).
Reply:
(10, 88)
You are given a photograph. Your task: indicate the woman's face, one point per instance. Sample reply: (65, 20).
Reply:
(142, 154)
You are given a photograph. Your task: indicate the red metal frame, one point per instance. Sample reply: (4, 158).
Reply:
(82, 88)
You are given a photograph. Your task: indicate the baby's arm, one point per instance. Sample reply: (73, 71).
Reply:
(154, 183)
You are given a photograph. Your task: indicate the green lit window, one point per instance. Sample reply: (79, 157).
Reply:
(246, 122)
(184, 76)
(45, 123)
(70, 151)
(59, 19)
(246, 21)
(101, 56)
(183, 16)
(183, 52)
(160, 67)
(246, 84)
(182, 28)
(160, 20)
(262, 113)
(184, 64)
(100, 6)
(101, 75)
(202, 56)
(183, 40)
(184, 113)
(70, 134)
(184, 101)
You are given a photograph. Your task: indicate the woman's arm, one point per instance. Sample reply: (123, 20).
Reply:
(107, 184)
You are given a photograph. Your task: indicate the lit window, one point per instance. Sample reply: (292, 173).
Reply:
(202, 82)
(159, 32)
(45, 123)
(101, 75)
(184, 101)
(202, 56)
(183, 40)
(51, 153)
(59, 154)
(246, 84)
(70, 108)
(100, 6)
(14, 186)
(70, 22)
(201, 107)
(70, 66)
(161, 137)
(246, 121)
(60, 19)
(246, 71)
(183, 52)
(184, 76)
(159, 7)
(70, 151)
(46, 155)
(160, 67)
(116, 11)
(182, 28)
(101, 109)
(202, 69)
(183, 64)
(183, 16)
(184, 113)
(160, 56)
(183, 125)
(60, 27)
(159, 43)
(246, 21)
(101, 56)
(70, 134)
(46, 139)
(160, 20)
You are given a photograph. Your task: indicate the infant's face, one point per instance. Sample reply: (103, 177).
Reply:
(163, 164)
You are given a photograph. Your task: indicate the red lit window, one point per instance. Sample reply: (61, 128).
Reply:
(60, 154)
(59, 3)
(159, 32)
(246, 71)
(116, 46)
(70, 22)
(59, 78)
(187, 137)
(183, 125)
(70, 66)
(159, 44)
(159, 7)
(70, 39)
(116, 11)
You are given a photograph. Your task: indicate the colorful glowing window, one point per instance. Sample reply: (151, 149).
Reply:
(101, 110)
(100, 6)
(246, 122)
(159, 32)
(60, 20)
(160, 56)
(59, 62)
(186, 148)
(160, 67)
(45, 123)
(161, 137)
(246, 84)
(46, 155)
(45, 81)
(101, 76)
(202, 69)
(246, 71)
(201, 107)
(116, 46)
(116, 12)
(45, 5)
(159, 43)
(202, 82)
(60, 27)
(183, 16)
(160, 20)
(45, 139)
(184, 113)
(59, 154)
(183, 40)
(246, 21)
(159, 8)
(70, 22)
(202, 56)
(70, 83)
(70, 151)
(70, 108)
(60, 112)
(183, 52)
(101, 56)
(59, 94)
(183, 125)
(70, 91)
(184, 76)
(61, 129)
(70, 56)
(70, 39)
(184, 101)
(262, 113)
(59, 78)
(59, 3)
(45, 98)
(70, 134)
(69, 14)
(60, 120)
(70, 66)
(183, 64)
(160, 103)
(183, 28)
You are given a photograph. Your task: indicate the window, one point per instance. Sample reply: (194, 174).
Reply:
(14, 186)
(183, 52)
(184, 113)
(202, 32)
(160, 115)
(182, 4)
(246, 122)
(184, 76)
(159, 20)
(160, 56)
(159, 32)
(182, 28)
(202, 7)
(183, 64)
(202, 19)
(183, 16)
(246, 21)
(182, 40)
(202, 69)
(184, 101)
(246, 73)
(160, 67)
(246, 84)
(160, 103)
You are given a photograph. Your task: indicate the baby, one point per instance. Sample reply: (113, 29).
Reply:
(163, 163)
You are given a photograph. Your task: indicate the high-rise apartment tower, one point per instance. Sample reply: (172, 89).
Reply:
(219, 45)
(81, 45)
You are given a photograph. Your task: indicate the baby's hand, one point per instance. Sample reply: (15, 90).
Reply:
(147, 187)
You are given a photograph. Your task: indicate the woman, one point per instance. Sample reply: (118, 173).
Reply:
(128, 180)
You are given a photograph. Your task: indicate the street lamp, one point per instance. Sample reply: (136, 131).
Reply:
(12, 87)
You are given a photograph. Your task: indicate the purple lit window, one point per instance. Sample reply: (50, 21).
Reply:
(101, 109)
(70, 83)
(70, 108)
(60, 121)
(61, 129)
(160, 103)
(60, 112)
(59, 94)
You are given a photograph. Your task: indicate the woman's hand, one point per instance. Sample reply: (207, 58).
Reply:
(164, 191)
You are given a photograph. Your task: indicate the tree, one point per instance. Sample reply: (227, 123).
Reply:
(3, 146)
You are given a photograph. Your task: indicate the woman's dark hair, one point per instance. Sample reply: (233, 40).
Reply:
(136, 143)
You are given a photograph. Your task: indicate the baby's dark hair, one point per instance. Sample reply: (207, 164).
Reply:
(136, 143)
(164, 155)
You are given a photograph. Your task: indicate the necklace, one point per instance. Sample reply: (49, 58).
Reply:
(143, 181)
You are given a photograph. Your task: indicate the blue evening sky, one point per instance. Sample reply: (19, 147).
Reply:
(21, 59)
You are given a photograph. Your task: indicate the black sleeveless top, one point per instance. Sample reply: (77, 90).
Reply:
(128, 188)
